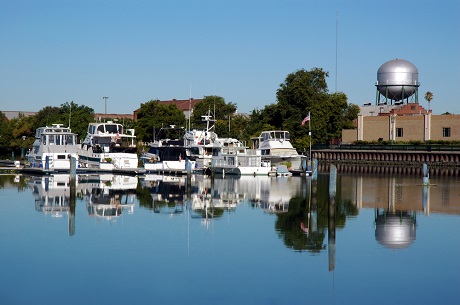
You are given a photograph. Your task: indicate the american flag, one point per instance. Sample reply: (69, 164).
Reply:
(307, 118)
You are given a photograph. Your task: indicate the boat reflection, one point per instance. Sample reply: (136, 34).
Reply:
(51, 194)
(164, 194)
(108, 196)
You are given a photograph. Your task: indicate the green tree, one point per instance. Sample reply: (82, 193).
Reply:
(6, 135)
(217, 108)
(22, 134)
(154, 115)
(48, 116)
(79, 116)
(429, 97)
(301, 93)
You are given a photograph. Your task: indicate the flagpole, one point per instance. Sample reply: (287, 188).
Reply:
(309, 132)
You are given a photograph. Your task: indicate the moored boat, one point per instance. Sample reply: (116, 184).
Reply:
(107, 146)
(53, 148)
(234, 159)
(276, 146)
(168, 154)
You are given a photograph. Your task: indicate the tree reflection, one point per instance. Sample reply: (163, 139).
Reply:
(304, 226)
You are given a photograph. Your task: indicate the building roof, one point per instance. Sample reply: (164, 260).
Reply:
(15, 114)
(183, 105)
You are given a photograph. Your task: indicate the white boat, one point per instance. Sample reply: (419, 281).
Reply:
(202, 144)
(53, 148)
(276, 146)
(168, 155)
(235, 160)
(108, 147)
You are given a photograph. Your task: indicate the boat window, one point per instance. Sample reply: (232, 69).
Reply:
(102, 140)
(286, 135)
(279, 135)
(44, 140)
(91, 129)
(266, 136)
(58, 140)
(69, 140)
(111, 128)
(51, 139)
(100, 128)
(61, 156)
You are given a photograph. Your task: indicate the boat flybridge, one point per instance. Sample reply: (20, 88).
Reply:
(107, 146)
(53, 148)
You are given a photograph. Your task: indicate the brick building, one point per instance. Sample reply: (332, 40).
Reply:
(410, 122)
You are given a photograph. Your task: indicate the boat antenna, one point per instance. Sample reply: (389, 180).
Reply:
(190, 108)
(70, 112)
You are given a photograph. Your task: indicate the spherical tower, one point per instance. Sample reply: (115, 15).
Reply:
(397, 81)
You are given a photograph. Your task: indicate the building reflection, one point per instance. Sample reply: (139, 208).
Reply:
(397, 200)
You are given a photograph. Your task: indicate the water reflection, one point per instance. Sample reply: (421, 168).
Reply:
(51, 194)
(302, 207)
(108, 196)
(395, 230)
(162, 193)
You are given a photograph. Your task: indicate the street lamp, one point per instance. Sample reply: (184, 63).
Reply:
(105, 102)
(22, 148)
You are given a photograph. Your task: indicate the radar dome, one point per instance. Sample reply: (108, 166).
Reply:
(397, 79)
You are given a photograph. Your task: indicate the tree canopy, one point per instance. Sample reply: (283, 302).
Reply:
(216, 107)
(79, 116)
(153, 115)
(305, 92)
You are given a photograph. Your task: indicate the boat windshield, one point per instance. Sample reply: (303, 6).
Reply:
(275, 135)
(113, 128)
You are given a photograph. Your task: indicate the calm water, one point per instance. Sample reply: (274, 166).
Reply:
(152, 240)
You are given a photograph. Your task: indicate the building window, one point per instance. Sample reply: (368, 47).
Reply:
(446, 132)
(399, 132)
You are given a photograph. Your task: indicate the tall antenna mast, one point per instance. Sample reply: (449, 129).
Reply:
(336, 45)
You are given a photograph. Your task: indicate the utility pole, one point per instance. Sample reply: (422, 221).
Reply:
(105, 103)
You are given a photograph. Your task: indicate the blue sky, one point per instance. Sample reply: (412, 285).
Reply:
(134, 51)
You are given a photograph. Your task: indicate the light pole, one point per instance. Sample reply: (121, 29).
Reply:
(22, 148)
(105, 103)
